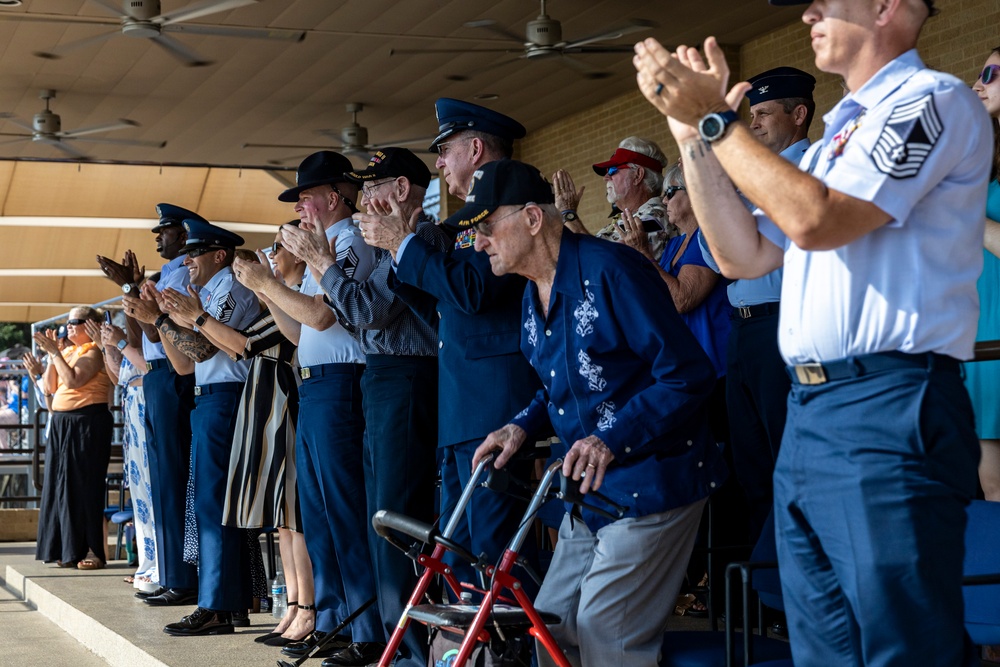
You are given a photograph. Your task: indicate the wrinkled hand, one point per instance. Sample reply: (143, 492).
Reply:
(311, 247)
(187, 307)
(253, 275)
(128, 271)
(587, 459)
(567, 196)
(507, 440)
(386, 227)
(632, 233)
(32, 364)
(146, 307)
(93, 330)
(682, 86)
(111, 335)
(46, 341)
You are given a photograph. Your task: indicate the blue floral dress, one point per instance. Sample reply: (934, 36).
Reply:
(136, 462)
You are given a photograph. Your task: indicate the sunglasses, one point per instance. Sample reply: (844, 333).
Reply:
(671, 190)
(989, 74)
(614, 170)
(198, 252)
(76, 321)
(275, 247)
(486, 226)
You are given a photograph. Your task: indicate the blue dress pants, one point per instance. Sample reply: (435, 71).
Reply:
(169, 402)
(331, 488)
(870, 488)
(223, 566)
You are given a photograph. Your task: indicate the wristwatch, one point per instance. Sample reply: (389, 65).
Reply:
(202, 319)
(128, 288)
(122, 344)
(713, 126)
(570, 216)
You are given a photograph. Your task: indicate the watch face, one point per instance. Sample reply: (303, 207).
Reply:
(569, 217)
(711, 126)
(127, 288)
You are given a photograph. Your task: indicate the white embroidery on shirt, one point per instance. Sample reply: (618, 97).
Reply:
(224, 309)
(348, 260)
(909, 136)
(522, 414)
(585, 314)
(607, 412)
(532, 327)
(591, 371)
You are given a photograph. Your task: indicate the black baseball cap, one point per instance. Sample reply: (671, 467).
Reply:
(393, 162)
(501, 183)
(783, 3)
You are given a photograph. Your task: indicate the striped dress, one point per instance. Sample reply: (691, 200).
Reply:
(261, 486)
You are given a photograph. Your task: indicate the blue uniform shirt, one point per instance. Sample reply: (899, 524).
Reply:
(915, 143)
(173, 274)
(616, 361)
(235, 306)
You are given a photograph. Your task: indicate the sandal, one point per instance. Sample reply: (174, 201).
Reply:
(90, 564)
(68, 563)
(129, 580)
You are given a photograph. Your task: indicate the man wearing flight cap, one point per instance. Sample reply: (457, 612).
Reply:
(880, 235)
(222, 561)
(168, 385)
(479, 324)
(781, 110)
(624, 386)
(330, 430)
(399, 385)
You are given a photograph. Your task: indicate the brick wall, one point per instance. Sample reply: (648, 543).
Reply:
(957, 41)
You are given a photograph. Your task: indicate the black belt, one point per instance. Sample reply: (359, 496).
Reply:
(759, 310)
(320, 370)
(866, 364)
(216, 387)
(157, 364)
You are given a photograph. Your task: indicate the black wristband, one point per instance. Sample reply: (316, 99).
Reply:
(201, 319)
(160, 320)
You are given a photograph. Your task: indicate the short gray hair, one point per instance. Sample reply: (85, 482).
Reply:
(653, 180)
(674, 176)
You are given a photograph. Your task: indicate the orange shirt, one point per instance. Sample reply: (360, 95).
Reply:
(95, 391)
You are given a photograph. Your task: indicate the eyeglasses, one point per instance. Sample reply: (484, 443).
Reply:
(989, 73)
(671, 190)
(442, 148)
(76, 321)
(486, 226)
(275, 247)
(368, 188)
(614, 170)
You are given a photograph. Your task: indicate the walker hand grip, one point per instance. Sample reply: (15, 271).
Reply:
(385, 521)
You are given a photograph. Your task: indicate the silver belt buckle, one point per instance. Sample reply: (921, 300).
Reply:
(810, 373)
(744, 312)
(149, 366)
(197, 390)
(305, 373)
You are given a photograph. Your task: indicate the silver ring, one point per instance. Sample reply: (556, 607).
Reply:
(659, 89)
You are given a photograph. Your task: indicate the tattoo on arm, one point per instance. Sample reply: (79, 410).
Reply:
(190, 343)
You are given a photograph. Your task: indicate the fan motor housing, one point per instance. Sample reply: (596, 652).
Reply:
(543, 31)
(354, 135)
(142, 10)
(47, 122)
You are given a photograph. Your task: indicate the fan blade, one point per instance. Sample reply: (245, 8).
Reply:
(238, 31)
(496, 29)
(187, 56)
(610, 48)
(283, 160)
(114, 7)
(59, 18)
(394, 52)
(311, 148)
(14, 141)
(121, 124)
(14, 120)
(65, 148)
(121, 142)
(59, 51)
(583, 69)
(404, 142)
(199, 9)
(615, 32)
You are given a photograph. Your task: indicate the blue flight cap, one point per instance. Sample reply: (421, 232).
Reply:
(780, 83)
(171, 216)
(203, 234)
(455, 116)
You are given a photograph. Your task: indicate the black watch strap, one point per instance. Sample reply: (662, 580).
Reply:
(160, 320)
(202, 319)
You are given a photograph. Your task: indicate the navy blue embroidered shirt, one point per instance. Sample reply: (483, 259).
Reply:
(616, 361)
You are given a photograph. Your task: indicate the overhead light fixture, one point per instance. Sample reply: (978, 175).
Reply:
(486, 96)
(10, 3)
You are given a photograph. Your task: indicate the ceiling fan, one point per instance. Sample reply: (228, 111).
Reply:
(353, 139)
(143, 19)
(543, 39)
(46, 128)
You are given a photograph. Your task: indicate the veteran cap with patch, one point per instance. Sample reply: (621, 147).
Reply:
(393, 162)
(173, 216)
(501, 183)
(203, 234)
(456, 116)
(780, 83)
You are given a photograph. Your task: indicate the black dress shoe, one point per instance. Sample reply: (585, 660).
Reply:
(173, 596)
(241, 619)
(202, 622)
(264, 638)
(142, 595)
(299, 649)
(358, 654)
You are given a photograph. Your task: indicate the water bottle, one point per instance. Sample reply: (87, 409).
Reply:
(279, 600)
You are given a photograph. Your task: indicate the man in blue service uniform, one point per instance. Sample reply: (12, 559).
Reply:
(781, 110)
(169, 391)
(399, 385)
(479, 325)
(624, 385)
(881, 238)
(222, 563)
(329, 437)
